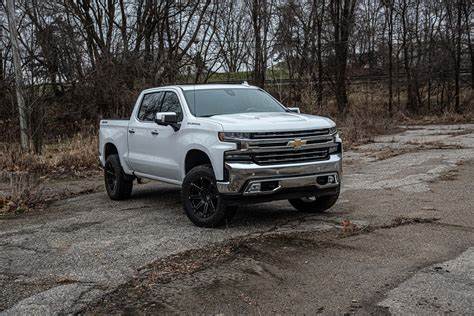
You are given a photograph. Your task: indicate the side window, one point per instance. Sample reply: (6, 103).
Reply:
(171, 103)
(150, 105)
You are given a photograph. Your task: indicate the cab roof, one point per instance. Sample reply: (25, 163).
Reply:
(187, 87)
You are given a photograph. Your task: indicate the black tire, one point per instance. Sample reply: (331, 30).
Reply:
(314, 205)
(117, 184)
(201, 201)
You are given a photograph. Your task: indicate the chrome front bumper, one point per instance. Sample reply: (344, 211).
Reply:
(288, 176)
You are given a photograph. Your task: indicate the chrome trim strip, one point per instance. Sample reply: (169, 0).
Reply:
(280, 148)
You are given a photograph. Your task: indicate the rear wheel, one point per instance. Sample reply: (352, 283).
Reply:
(314, 204)
(117, 183)
(201, 200)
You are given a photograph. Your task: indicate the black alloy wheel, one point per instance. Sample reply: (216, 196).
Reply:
(117, 184)
(110, 177)
(201, 200)
(203, 197)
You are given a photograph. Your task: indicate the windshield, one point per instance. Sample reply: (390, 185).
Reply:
(209, 102)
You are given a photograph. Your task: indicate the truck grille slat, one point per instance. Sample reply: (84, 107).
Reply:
(289, 154)
(288, 157)
(292, 134)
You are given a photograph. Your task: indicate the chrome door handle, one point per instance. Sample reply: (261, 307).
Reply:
(155, 132)
(131, 131)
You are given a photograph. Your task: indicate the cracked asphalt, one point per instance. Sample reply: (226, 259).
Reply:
(409, 246)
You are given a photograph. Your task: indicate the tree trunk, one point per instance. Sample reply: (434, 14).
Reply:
(22, 110)
(469, 40)
(257, 20)
(342, 14)
(457, 68)
(390, 62)
(320, 56)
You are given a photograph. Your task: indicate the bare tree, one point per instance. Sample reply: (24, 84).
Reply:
(342, 15)
(232, 35)
(389, 18)
(260, 13)
(22, 109)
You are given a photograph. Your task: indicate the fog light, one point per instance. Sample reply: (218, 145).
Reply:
(254, 187)
(331, 179)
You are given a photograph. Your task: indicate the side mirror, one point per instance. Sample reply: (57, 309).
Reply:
(167, 118)
(294, 109)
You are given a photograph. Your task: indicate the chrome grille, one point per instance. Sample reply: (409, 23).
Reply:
(290, 156)
(274, 147)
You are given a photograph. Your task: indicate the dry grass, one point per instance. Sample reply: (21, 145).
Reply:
(23, 174)
(72, 157)
(22, 193)
(444, 118)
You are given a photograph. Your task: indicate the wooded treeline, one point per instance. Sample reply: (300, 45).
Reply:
(84, 59)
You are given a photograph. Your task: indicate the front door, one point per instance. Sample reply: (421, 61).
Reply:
(152, 147)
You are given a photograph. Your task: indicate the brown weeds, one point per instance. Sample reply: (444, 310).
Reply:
(22, 193)
(71, 157)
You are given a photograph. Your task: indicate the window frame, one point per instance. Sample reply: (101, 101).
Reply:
(179, 102)
(141, 104)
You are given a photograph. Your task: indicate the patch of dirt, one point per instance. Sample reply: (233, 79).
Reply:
(434, 145)
(448, 175)
(266, 256)
(412, 146)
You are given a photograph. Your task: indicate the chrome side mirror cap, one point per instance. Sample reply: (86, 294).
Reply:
(167, 118)
(294, 109)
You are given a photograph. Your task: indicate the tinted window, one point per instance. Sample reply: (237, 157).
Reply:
(171, 103)
(230, 101)
(150, 105)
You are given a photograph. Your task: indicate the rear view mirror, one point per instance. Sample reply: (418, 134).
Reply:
(167, 118)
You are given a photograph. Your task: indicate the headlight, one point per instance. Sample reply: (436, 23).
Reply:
(232, 136)
(332, 130)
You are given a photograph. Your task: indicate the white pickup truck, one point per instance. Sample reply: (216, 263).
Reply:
(224, 145)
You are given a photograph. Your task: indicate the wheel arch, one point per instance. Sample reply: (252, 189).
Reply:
(195, 157)
(109, 149)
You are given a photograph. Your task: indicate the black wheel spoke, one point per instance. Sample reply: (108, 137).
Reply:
(213, 207)
(194, 197)
(196, 186)
(199, 205)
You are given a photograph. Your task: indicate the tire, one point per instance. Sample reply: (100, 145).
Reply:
(314, 205)
(201, 201)
(117, 184)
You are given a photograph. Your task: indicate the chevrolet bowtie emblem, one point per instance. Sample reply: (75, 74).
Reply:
(297, 143)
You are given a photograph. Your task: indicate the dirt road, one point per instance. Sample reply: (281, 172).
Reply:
(406, 245)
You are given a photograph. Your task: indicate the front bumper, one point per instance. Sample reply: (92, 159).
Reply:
(283, 176)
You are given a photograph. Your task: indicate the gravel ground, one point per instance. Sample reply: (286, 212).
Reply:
(408, 199)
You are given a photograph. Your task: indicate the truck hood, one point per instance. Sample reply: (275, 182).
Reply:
(264, 122)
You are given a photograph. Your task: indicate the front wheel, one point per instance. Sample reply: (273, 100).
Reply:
(201, 200)
(314, 204)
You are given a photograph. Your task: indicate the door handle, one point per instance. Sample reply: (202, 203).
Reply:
(131, 131)
(155, 132)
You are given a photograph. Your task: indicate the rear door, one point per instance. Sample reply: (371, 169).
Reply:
(142, 131)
